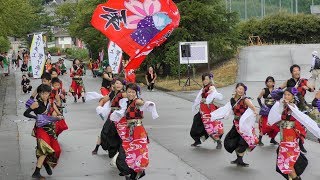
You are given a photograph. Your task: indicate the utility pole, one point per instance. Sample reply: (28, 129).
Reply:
(226, 2)
(263, 8)
(230, 5)
(296, 6)
(280, 5)
(245, 10)
(292, 6)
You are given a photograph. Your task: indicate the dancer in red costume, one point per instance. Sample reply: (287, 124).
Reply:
(264, 128)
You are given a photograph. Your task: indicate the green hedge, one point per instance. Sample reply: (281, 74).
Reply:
(4, 44)
(283, 28)
(77, 53)
(53, 50)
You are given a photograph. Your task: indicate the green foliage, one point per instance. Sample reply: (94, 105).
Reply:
(20, 17)
(77, 17)
(53, 50)
(204, 20)
(283, 28)
(14, 17)
(65, 14)
(4, 44)
(76, 53)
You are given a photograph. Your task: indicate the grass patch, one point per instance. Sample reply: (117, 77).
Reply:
(224, 74)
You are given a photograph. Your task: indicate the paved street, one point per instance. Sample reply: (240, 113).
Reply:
(172, 158)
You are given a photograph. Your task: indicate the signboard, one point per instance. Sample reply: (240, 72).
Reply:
(37, 55)
(198, 52)
(315, 9)
(115, 57)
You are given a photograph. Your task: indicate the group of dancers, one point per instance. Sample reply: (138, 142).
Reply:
(126, 140)
(47, 103)
(284, 110)
(123, 135)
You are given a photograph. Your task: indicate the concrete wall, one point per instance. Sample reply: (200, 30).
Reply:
(258, 62)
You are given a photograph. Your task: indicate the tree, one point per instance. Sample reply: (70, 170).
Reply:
(202, 20)
(77, 19)
(65, 14)
(4, 44)
(20, 17)
(15, 17)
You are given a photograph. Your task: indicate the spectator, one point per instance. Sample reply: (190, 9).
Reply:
(24, 67)
(315, 68)
(151, 77)
(25, 83)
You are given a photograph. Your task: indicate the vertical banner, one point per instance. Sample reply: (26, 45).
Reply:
(115, 57)
(37, 55)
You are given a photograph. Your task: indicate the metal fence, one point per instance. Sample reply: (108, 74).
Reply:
(260, 8)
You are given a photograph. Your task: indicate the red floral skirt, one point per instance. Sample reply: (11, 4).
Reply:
(213, 128)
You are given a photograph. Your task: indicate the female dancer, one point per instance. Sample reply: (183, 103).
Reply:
(107, 78)
(48, 148)
(77, 86)
(133, 156)
(55, 99)
(242, 135)
(264, 128)
(110, 140)
(202, 126)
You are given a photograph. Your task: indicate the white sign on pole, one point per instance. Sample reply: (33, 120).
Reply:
(115, 57)
(198, 52)
(37, 55)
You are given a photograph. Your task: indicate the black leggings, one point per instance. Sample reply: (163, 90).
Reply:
(110, 140)
(26, 89)
(150, 86)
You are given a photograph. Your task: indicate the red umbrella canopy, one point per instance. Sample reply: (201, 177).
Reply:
(137, 26)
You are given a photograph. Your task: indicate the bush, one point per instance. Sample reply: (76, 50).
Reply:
(4, 44)
(68, 51)
(53, 50)
(283, 28)
(205, 20)
(76, 53)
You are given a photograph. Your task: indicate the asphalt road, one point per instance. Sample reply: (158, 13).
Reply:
(170, 151)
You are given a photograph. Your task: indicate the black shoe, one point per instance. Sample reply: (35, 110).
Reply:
(94, 152)
(219, 144)
(297, 178)
(140, 175)
(75, 99)
(195, 144)
(242, 164)
(83, 99)
(37, 176)
(48, 168)
(234, 162)
(260, 143)
(272, 141)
